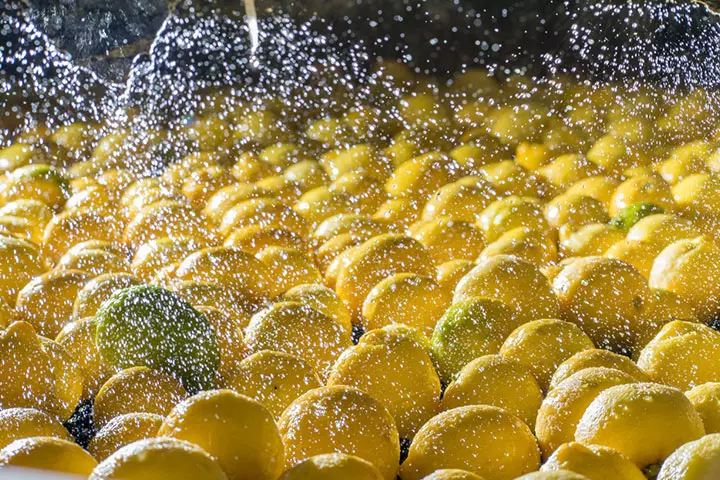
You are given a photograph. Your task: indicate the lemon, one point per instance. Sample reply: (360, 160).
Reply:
(706, 398)
(564, 405)
(554, 475)
(274, 379)
(94, 262)
(452, 474)
(226, 266)
(459, 201)
(683, 354)
(48, 453)
(226, 197)
(449, 274)
(398, 213)
(69, 381)
(419, 177)
(596, 357)
(575, 209)
(542, 345)
(19, 423)
(496, 381)
(136, 390)
(662, 229)
(400, 375)
(588, 240)
(696, 460)
(446, 239)
(166, 218)
(332, 466)
(228, 330)
(21, 261)
(237, 431)
(94, 293)
(159, 459)
(123, 430)
(263, 212)
(37, 182)
(606, 298)
(633, 419)
(72, 227)
(254, 239)
(327, 254)
(321, 203)
(357, 158)
(366, 192)
(34, 210)
(629, 216)
(509, 213)
(149, 326)
(375, 260)
(534, 246)
(161, 252)
(276, 328)
(593, 461)
(483, 440)
(515, 282)
(203, 183)
(470, 329)
(308, 174)
(643, 188)
(689, 268)
(323, 299)
(405, 298)
(600, 188)
(697, 193)
(340, 419)
(288, 268)
(233, 303)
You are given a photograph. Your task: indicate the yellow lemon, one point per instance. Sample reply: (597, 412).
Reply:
(254, 239)
(698, 193)
(600, 188)
(481, 439)
(542, 345)
(69, 381)
(321, 203)
(361, 225)
(31, 209)
(288, 268)
(228, 330)
(514, 282)
(92, 295)
(22, 228)
(75, 226)
(459, 201)
(233, 303)
(633, 419)
(366, 192)
(124, 430)
(449, 274)
(375, 260)
(93, 261)
(644, 188)
(225, 198)
(400, 375)
(689, 268)
(48, 453)
(37, 182)
(263, 212)
(554, 475)
(323, 299)
(398, 213)
(497, 381)
(274, 379)
(531, 245)
(696, 460)
(638, 253)
(331, 466)
(165, 219)
(593, 461)
(564, 405)
(276, 328)
(159, 459)
(308, 174)
(509, 178)
(19, 423)
(470, 329)
(532, 155)
(203, 183)
(46, 302)
(419, 177)
(446, 239)
(596, 357)
(706, 399)
(452, 474)
(340, 419)
(137, 390)
(21, 261)
(406, 298)
(237, 431)
(588, 240)
(575, 209)
(152, 256)
(250, 168)
(357, 158)
(511, 212)
(329, 251)
(606, 298)
(682, 355)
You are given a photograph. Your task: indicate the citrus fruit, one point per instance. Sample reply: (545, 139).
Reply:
(596, 357)
(48, 453)
(331, 466)
(593, 461)
(123, 430)
(696, 460)
(19, 423)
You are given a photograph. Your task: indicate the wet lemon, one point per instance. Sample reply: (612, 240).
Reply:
(276, 328)
(626, 218)
(470, 329)
(706, 398)
(374, 261)
(158, 253)
(399, 374)
(159, 459)
(263, 212)
(94, 262)
(254, 239)
(452, 474)
(34, 210)
(600, 188)
(274, 379)
(94, 293)
(697, 193)
(509, 213)
(237, 431)
(331, 466)
(360, 225)
(228, 330)
(644, 188)
(696, 460)
(321, 203)
(75, 226)
(21, 261)
(497, 381)
(203, 183)
(515, 282)
(531, 245)
(288, 268)
(226, 266)
(69, 381)
(459, 201)
(281, 188)
(406, 298)
(449, 274)
(166, 218)
(19, 423)
(323, 299)
(633, 419)
(683, 354)
(366, 192)
(48, 453)
(123, 430)
(593, 461)
(233, 303)
(596, 357)
(606, 298)
(225, 198)
(588, 240)
(689, 268)
(509, 178)
(398, 213)
(21, 227)
(329, 251)
(308, 174)
(664, 308)
(484, 440)
(340, 419)
(575, 209)
(563, 407)
(554, 475)
(542, 345)
(37, 182)
(136, 390)
(153, 327)
(419, 177)
(446, 239)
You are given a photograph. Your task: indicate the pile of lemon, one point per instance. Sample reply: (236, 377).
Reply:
(507, 279)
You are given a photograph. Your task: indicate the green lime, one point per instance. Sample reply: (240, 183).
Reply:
(632, 214)
(153, 327)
